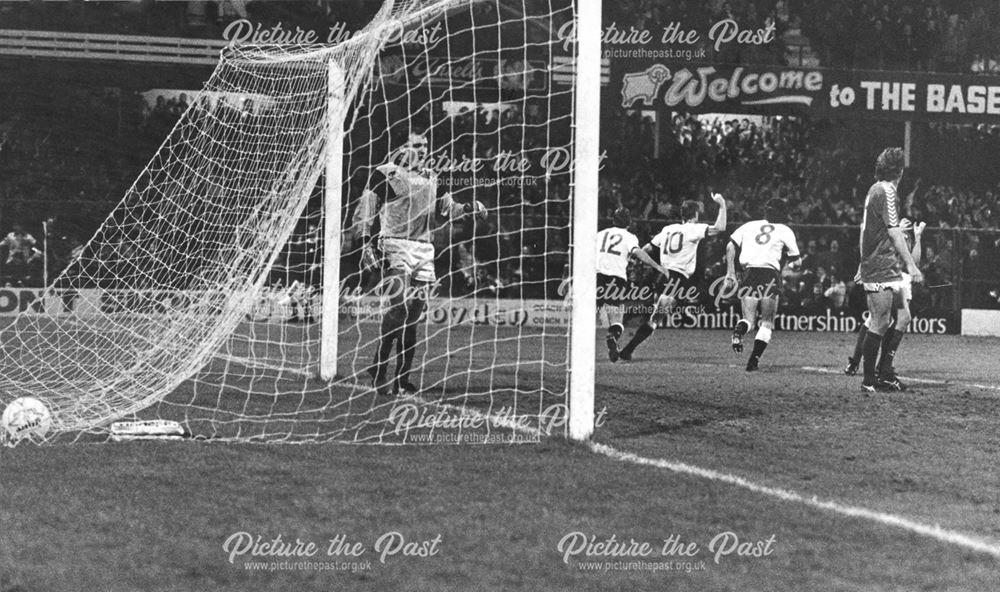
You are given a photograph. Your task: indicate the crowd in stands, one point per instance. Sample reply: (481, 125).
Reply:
(51, 154)
(20, 259)
(193, 18)
(938, 35)
(701, 15)
(823, 170)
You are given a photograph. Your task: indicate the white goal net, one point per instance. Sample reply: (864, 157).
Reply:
(206, 296)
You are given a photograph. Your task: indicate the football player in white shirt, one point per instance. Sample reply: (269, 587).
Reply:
(615, 247)
(678, 248)
(765, 247)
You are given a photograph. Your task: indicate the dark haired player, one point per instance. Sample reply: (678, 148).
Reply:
(764, 247)
(406, 199)
(678, 248)
(615, 246)
(901, 310)
(883, 250)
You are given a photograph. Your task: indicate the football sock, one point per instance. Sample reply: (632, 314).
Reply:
(644, 331)
(860, 344)
(870, 355)
(392, 324)
(408, 340)
(615, 331)
(758, 349)
(741, 328)
(890, 343)
(382, 355)
(407, 349)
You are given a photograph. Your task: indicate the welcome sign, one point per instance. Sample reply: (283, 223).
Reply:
(782, 90)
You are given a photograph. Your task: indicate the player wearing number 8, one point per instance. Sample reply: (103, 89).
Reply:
(615, 246)
(677, 245)
(764, 248)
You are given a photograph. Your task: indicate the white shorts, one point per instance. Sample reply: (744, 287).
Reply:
(902, 286)
(906, 289)
(413, 257)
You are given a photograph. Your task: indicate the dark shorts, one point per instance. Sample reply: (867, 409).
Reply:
(676, 282)
(610, 290)
(763, 282)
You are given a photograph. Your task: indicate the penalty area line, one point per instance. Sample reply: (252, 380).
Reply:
(986, 387)
(935, 532)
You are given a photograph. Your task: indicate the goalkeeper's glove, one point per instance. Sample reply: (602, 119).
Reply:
(369, 255)
(477, 209)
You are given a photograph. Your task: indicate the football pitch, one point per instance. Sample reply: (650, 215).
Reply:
(785, 479)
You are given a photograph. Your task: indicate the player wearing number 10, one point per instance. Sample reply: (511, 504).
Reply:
(615, 246)
(764, 246)
(678, 248)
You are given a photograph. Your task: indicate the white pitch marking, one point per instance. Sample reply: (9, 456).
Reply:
(988, 387)
(936, 532)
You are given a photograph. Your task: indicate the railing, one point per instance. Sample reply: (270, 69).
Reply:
(94, 46)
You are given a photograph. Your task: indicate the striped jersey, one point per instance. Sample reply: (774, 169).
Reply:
(879, 261)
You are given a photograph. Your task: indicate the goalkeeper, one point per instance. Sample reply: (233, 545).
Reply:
(406, 199)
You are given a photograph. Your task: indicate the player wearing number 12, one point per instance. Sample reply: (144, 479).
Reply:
(764, 248)
(678, 248)
(615, 246)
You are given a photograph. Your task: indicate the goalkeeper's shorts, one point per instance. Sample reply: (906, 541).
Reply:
(415, 258)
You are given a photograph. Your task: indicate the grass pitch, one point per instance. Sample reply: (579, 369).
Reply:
(156, 516)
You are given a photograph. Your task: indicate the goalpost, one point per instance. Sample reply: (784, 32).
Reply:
(588, 114)
(224, 291)
(332, 218)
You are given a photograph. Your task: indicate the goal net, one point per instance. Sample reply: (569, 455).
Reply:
(226, 290)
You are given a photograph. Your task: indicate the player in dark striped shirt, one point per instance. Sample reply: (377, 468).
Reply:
(884, 254)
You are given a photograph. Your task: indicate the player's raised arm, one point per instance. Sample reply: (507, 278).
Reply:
(720, 220)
